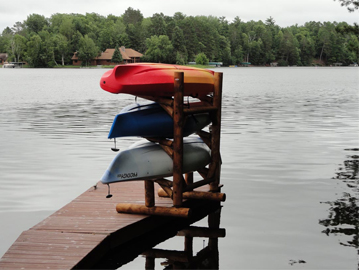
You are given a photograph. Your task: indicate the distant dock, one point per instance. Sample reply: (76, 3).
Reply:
(81, 233)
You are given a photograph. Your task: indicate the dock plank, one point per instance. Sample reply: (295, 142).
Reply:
(83, 231)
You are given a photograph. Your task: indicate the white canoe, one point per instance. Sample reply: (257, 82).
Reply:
(147, 160)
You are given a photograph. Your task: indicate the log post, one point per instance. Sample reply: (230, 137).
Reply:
(188, 245)
(189, 178)
(196, 195)
(149, 193)
(178, 139)
(131, 208)
(214, 223)
(216, 130)
(150, 263)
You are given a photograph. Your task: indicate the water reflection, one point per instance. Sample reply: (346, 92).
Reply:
(184, 258)
(207, 258)
(344, 212)
(87, 118)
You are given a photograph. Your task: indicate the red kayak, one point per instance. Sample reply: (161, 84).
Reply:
(149, 79)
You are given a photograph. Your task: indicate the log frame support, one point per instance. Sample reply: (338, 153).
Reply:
(131, 208)
(183, 187)
(178, 120)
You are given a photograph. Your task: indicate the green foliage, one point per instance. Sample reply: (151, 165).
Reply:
(160, 49)
(201, 59)
(35, 23)
(117, 56)
(351, 5)
(179, 39)
(18, 46)
(132, 16)
(87, 50)
(40, 50)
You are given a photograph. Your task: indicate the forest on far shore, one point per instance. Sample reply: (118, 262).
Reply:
(47, 42)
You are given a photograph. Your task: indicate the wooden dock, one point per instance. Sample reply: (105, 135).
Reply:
(81, 233)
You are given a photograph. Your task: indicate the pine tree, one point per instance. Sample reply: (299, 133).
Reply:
(116, 57)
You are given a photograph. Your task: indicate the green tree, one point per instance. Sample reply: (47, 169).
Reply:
(18, 28)
(117, 56)
(67, 27)
(224, 51)
(87, 50)
(201, 59)
(351, 5)
(40, 51)
(323, 40)
(48, 49)
(36, 23)
(107, 38)
(158, 25)
(159, 49)
(18, 46)
(5, 40)
(288, 48)
(179, 46)
(132, 16)
(190, 37)
(61, 47)
(134, 34)
(307, 48)
(34, 46)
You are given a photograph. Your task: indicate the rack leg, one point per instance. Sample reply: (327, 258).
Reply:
(149, 193)
(216, 130)
(178, 139)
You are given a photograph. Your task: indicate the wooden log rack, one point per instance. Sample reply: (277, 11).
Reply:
(183, 187)
(186, 259)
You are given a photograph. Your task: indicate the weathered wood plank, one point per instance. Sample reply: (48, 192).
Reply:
(82, 231)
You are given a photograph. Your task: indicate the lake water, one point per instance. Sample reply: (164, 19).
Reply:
(290, 141)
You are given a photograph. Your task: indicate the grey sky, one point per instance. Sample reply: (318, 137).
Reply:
(284, 12)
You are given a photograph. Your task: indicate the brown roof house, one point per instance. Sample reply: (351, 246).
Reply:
(3, 58)
(128, 56)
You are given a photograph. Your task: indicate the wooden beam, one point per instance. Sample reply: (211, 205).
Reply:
(178, 138)
(160, 141)
(189, 178)
(206, 137)
(149, 193)
(194, 231)
(199, 183)
(160, 100)
(155, 210)
(216, 131)
(173, 255)
(197, 195)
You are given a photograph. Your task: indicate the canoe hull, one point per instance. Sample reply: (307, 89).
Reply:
(149, 79)
(147, 160)
(151, 120)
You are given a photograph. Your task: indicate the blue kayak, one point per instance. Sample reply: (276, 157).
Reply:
(151, 120)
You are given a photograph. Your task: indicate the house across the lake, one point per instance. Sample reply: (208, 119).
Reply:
(128, 56)
(3, 58)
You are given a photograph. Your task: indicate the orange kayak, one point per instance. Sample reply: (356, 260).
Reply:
(149, 79)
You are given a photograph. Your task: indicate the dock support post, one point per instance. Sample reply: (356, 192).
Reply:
(150, 263)
(149, 193)
(189, 178)
(178, 139)
(216, 130)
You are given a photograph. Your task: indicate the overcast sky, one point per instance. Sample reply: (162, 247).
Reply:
(284, 12)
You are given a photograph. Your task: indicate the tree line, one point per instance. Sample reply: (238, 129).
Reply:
(46, 42)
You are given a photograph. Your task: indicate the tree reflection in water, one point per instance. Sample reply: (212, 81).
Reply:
(344, 212)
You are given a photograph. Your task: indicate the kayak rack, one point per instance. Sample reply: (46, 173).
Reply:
(185, 259)
(183, 187)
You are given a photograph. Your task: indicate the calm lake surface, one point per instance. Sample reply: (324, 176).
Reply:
(290, 141)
